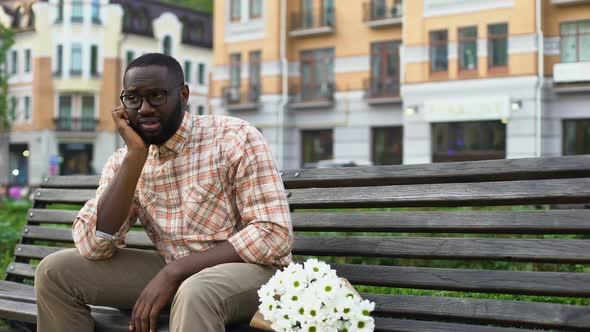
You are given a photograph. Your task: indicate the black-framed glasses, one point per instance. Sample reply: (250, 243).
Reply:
(155, 98)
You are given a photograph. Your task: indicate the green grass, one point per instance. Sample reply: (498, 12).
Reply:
(12, 221)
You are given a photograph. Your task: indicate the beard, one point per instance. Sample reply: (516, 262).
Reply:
(169, 127)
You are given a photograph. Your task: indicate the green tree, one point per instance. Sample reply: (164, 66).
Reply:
(6, 42)
(201, 5)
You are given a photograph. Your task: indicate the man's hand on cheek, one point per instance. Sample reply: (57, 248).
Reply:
(158, 293)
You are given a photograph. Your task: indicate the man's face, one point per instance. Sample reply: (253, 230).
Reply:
(155, 124)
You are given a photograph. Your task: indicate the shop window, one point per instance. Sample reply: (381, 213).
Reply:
(316, 145)
(387, 145)
(576, 137)
(464, 141)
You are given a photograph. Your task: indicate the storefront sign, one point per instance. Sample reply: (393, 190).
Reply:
(467, 109)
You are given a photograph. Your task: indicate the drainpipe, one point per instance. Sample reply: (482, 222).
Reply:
(285, 81)
(540, 79)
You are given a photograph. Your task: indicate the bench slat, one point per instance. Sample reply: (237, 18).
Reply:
(410, 325)
(135, 239)
(21, 311)
(561, 191)
(64, 196)
(16, 291)
(496, 222)
(507, 222)
(471, 171)
(21, 270)
(71, 181)
(51, 216)
(530, 250)
(482, 281)
(483, 311)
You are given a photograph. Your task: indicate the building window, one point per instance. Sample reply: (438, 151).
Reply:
(167, 45)
(60, 11)
(575, 41)
(59, 59)
(201, 73)
(187, 71)
(387, 145)
(236, 10)
(235, 62)
(307, 11)
(76, 65)
(328, 13)
(13, 108)
(468, 48)
(27, 113)
(317, 72)
(200, 110)
(255, 9)
(14, 62)
(87, 120)
(384, 80)
(64, 120)
(439, 50)
(94, 60)
(255, 80)
(129, 56)
(498, 45)
(27, 60)
(77, 11)
(576, 137)
(464, 141)
(316, 145)
(95, 11)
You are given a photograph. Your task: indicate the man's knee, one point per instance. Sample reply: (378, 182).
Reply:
(53, 266)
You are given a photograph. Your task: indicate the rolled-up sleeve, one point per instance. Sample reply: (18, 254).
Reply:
(267, 237)
(87, 242)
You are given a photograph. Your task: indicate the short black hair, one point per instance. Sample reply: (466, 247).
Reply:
(159, 59)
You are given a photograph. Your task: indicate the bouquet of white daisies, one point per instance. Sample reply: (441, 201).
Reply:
(312, 298)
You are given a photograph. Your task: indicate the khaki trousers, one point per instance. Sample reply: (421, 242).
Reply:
(66, 282)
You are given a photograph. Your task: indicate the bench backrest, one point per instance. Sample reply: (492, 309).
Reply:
(436, 242)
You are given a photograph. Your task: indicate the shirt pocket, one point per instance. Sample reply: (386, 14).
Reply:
(204, 211)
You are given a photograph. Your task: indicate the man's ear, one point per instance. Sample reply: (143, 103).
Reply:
(184, 93)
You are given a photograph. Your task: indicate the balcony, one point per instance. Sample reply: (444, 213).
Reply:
(67, 124)
(313, 96)
(237, 99)
(382, 91)
(380, 14)
(316, 22)
(569, 2)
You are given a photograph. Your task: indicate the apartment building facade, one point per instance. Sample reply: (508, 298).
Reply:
(394, 82)
(66, 68)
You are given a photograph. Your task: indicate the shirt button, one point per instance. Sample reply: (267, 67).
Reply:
(200, 197)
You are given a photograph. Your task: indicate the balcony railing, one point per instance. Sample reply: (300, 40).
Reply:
(382, 13)
(76, 124)
(314, 22)
(319, 95)
(237, 99)
(382, 91)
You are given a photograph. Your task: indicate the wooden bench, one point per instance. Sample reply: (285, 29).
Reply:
(405, 251)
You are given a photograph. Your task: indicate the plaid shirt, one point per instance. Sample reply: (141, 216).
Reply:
(214, 180)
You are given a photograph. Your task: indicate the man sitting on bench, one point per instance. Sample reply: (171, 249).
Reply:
(208, 194)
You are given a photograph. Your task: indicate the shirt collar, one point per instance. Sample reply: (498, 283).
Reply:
(175, 144)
